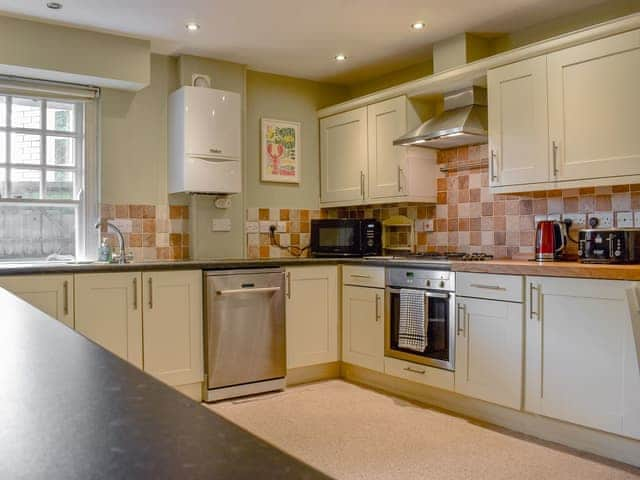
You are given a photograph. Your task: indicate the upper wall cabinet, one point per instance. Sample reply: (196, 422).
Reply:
(568, 118)
(204, 141)
(359, 163)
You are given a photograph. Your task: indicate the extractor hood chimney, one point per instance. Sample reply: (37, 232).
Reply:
(464, 119)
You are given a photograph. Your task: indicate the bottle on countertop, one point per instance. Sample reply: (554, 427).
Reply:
(105, 253)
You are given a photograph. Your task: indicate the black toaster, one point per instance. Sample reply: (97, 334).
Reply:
(616, 245)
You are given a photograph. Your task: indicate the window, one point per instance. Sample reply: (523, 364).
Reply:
(48, 184)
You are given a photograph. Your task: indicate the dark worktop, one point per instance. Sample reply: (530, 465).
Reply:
(502, 267)
(71, 410)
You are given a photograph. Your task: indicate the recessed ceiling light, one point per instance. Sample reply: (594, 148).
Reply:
(193, 26)
(341, 57)
(54, 5)
(418, 25)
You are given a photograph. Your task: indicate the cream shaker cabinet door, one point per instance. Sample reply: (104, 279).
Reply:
(109, 312)
(363, 327)
(312, 316)
(53, 294)
(172, 326)
(343, 156)
(387, 170)
(489, 351)
(518, 123)
(594, 102)
(579, 360)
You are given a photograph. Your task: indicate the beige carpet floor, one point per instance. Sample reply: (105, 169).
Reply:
(351, 432)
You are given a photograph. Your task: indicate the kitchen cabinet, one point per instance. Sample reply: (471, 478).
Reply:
(359, 163)
(593, 108)
(108, 309)
(343, 157)
(518, 123)
(312, 315)
(489, 351)
(53, 294)
(172, 326)
(205, 127)
(363, 317)
(567, 119)
(581, 363)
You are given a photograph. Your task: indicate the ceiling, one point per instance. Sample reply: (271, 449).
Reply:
(301, 37)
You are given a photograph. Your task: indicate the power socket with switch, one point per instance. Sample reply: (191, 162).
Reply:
(624, 219)
(600, 219)
(577, 219)
(636, 219)
(252, 227)
(281, 227)
(554, 217)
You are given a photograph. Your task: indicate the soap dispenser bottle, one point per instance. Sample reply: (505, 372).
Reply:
(105, 253)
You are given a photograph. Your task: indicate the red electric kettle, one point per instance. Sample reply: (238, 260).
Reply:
(551, 240)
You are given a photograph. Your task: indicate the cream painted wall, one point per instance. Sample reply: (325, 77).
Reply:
(134, 138)
(286, 98)
(48, 49)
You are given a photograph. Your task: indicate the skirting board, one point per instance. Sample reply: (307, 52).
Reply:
(191, 390)
(599, 443)
(313, 373)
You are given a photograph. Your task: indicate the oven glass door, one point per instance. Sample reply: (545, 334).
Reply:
(440, 330)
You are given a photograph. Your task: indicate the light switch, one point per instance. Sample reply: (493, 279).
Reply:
(221, 225)
(624, 219)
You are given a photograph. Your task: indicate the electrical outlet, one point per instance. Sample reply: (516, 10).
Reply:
(264, 226)
(281, 227)
(427, 225)
(221, 225)
(577, 219)
(605, 219)
(252, 227)
(554, 216)
(636, 219)
(624, 219)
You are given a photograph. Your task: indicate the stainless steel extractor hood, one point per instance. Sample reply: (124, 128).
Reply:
(463, 122)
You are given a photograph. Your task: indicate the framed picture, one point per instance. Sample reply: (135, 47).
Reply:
(280, 146)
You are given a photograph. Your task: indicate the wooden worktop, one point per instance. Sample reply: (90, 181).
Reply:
(551, 269)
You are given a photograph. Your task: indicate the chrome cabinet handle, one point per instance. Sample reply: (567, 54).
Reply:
(150, 293)
(362, 184)
(248, 290)
(460, 318)
(533, 313)
(487, 287)
(65, 293)
(415, 370)
(215, 150)
(494, 174)
(135, 293)
(555, 147)
(289, 285)
(377, 307)
(400, 174)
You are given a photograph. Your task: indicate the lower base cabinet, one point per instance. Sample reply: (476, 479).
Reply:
(172, 326)
(581, 363)
(312, 314)
(363, 327)
(53, 294)
(109, 312)
(151, 319)
(489, 351)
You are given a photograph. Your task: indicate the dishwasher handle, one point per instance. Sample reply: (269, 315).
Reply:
(236, 291)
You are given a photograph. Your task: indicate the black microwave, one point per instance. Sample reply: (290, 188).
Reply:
(346, 237)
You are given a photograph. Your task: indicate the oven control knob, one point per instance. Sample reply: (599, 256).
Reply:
(441, 283)
(428, 283)
(617, 253)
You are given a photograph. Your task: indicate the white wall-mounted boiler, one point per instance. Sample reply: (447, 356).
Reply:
(205, 137)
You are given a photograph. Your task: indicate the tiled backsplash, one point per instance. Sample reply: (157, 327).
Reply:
(152, 232)
(469, 218)
(293, 227)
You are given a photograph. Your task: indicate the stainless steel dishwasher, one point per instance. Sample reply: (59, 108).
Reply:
(245, 346)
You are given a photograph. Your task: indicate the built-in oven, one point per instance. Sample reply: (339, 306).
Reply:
(348, 237)
(436, 288)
